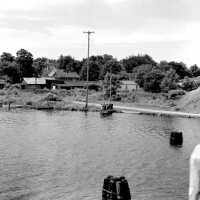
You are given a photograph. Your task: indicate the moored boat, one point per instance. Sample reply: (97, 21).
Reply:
(106, 109)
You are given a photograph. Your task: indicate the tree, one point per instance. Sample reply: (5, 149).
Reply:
(13, 72)
(164, 66)
(61, 62)
(94, 71)
(7, 57)
(39, 64)
(115, 84)
(188, 84)
(112, 66)
(25, 60)
(180, 69)
(169, 82)
(77, 66)
(66, 63)
(69, 64)
(141, 72)
(152, 80)
(134, 61)
(194, 69)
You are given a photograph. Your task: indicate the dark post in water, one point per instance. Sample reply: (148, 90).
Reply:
(115, 188)
(176, 138)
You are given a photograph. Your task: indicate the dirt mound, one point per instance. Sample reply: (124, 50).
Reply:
(190, 102)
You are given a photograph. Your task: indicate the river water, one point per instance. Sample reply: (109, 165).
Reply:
(66, 155)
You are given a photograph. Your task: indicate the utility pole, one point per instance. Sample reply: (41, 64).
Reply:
(88, 63)
(110, 84)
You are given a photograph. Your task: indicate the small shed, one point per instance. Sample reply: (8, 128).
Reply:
(128, 86)
(33, 83)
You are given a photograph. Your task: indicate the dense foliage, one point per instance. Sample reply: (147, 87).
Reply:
(111, 85)
(150, 75)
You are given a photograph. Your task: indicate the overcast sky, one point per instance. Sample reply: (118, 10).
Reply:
(164, 29)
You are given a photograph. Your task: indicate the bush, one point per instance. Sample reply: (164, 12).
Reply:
(116, 97)
(188, 84)
(169, 82)
(141, 72)
(29, 103)
(41, 91)
(52, 97)
(152, 80)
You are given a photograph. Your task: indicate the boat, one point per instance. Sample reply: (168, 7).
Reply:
(106, 109)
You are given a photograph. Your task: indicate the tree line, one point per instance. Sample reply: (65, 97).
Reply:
(149, 74)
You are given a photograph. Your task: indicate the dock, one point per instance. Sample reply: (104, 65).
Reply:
(147, 111)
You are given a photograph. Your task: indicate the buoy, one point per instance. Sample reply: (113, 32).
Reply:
(115, 188)
(176, 138)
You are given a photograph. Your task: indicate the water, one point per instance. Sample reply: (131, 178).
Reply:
(66, 155)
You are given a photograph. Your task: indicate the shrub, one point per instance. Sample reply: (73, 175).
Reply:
(52, 97)
(41, 91)
(152, 80)
(29, 103)
(169, 82)
(116, 97)
(141, 72)
(188, 84)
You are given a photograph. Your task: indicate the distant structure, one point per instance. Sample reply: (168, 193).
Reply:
(33, 83)
(128, 85)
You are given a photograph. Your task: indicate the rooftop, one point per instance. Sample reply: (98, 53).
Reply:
(34, 81)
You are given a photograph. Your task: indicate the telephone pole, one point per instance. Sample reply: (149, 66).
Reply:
(88, 65)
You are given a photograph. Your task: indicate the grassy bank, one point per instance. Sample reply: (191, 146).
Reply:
(41, 99)
(64, 100)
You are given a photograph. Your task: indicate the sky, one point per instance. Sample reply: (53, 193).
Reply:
(164, 29)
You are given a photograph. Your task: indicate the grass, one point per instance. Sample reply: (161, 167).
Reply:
(63, 99)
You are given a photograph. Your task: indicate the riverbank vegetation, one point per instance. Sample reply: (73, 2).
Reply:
(160, 83)
(151, 75)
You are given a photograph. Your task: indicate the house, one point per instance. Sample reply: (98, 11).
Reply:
(65, 76)
(128, 86)
(33, 83)
(52, 82)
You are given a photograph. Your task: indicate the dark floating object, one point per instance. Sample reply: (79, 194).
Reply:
(176, 138)
(115, 188)
(106, 109)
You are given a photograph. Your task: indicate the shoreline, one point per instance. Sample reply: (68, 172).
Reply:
(148, 111)
(95, 107)
(74, 101)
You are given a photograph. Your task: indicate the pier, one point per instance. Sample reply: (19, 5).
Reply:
(148, 111)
